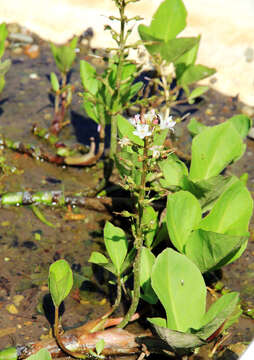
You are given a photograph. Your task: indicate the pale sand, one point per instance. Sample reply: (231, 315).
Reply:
(226, 27)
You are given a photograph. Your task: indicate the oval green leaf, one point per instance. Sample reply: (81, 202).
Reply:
(60, 281)
(213, 149)
(116, 244)
(180, 287)
(183, 215)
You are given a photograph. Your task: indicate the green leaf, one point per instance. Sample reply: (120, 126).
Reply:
(195, 127)
(2, 83)
(90, 108)
(98, 258)
(116, 244)
(200, 90)
(54, 82)
(194, 73)
(147, 261)
(3, 36)
(158, 321)
(231, 213)
(132, 90)
(66, 58)
(41, 217)
(176, 339)
(208, 191)
(73, 43)
(173, 49)
(149, 224)
(9, 354)
(213, 149)
(88, 77)
(187, 59)
(5, 66)
(168, 20)
(173, 170)
(242, 124)
(126, 130)
(100, 346)
(180, 287)
(183, 215)
(217, 315)
(210, 250)
(64, 55)
(42, 354)
(60, 281)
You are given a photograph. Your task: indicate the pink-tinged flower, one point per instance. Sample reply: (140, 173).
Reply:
(142, 130)
(124, 142)
(135, 120)
(167, 123)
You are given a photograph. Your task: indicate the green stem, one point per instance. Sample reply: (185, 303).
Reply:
(113, 138)
(138, 242)
(59, 340)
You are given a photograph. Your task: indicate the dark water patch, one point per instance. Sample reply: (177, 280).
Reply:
(30, 245)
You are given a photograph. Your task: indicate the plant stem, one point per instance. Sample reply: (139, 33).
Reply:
(113, 138)
(59, 340)
(138, 242)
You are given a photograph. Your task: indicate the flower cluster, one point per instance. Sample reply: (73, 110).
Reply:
(147, 123)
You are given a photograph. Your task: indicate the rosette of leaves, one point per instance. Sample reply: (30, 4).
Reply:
(208, 214)
(182, 292)
(160, 39)
(4, 65)
(64, 55)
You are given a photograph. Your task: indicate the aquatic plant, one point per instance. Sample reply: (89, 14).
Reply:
(64, 58)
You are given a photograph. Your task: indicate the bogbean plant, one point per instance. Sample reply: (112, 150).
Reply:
(64, 58)
(207, 214)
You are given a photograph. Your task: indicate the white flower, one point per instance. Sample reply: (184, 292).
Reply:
(124, 142)
(167, 123)
(142, 130)
(134, 120)
(156, 149)
(150, 116)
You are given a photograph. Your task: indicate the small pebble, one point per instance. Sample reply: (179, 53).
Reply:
(33, 76)
(248, 110)
(208, 112)
(18, 37)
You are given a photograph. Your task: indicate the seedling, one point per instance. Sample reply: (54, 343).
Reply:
(64, 57)
(60, 283)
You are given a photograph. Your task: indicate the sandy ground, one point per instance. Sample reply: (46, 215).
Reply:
(226, 27)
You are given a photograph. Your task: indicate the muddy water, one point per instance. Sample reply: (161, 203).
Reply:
(28, 246)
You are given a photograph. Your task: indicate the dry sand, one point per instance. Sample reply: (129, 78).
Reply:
(226, 28)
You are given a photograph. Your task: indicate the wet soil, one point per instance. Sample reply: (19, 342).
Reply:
(28, 246)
